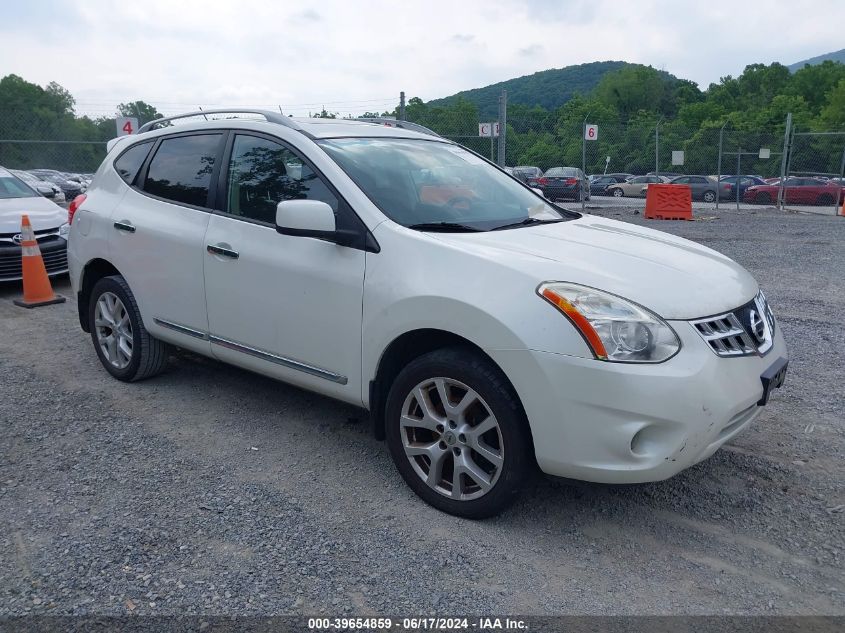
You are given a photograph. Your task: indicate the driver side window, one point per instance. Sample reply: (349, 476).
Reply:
(263, 173)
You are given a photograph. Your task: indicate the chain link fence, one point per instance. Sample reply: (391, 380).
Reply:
(532, 137)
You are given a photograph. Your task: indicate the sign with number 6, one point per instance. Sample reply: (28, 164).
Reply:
(126, 125)
(591, 132)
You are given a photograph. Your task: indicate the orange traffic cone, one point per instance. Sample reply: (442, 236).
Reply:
(37, 290)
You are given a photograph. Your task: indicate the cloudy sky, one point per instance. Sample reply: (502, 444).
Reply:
(357, 56)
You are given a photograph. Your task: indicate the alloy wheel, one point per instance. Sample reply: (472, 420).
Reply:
(114, 330)
(452, 438)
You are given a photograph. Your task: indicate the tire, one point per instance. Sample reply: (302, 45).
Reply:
(147, 356)
(825, 199)
(472, 380)
(709, 196)
(618, 193)
(763, 198)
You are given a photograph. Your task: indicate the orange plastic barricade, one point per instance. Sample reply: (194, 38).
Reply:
(668, 202)
(37, 290)
(842, 210)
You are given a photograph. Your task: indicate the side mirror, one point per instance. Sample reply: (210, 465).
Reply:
(312, 218)
(47, 192)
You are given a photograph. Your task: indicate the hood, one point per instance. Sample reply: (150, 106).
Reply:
(43, 214)
(671, 276)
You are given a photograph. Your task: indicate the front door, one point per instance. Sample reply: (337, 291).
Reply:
(281, 305)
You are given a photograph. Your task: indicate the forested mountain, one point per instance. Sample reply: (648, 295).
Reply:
(630, 102)
(836, 56)
(548, 88)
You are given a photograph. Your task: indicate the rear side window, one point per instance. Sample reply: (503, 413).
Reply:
(130, 161)
(181, 169)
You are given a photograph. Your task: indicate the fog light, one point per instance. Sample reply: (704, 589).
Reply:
(646, 441)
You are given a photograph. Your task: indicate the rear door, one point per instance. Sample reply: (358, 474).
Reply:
(157, 235)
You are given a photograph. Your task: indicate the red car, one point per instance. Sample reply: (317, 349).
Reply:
(796, 191)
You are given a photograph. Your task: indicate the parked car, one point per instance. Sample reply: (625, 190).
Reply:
(527, 173)
(704, 187)
(744, 183)
(69, 188)
(599, 185)
(633, 186)
(796, 191)
(668, 175)
(49, 221)
(604, 351)
(43, 187)
(563, 182)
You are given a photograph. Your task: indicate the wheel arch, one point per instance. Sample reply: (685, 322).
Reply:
(94, 270)
(401, 351)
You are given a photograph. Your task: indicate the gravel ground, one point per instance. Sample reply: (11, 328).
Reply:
(211, 490)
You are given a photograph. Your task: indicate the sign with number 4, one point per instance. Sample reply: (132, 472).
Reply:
(591, 132)
(126, 125)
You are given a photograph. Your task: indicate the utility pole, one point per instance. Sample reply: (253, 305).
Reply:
(657, 147)
(503, 124)
(784, 160)
(719, 166)
(584, 157)
(402, 106)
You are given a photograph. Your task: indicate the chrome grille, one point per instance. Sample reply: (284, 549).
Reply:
(745, 331)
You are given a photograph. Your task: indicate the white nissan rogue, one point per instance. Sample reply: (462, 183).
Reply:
(484, 328)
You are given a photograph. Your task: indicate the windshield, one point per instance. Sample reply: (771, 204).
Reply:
(420, 184)
(11, 187)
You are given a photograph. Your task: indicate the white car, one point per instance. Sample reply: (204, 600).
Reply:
(49, 221)
(484, 328)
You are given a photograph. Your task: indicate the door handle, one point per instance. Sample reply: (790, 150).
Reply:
(124, 226)
(219, 249)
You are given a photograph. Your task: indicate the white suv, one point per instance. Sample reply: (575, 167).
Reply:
(484, 328)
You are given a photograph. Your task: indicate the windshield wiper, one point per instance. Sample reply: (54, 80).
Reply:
(443, 226)
(525, 222)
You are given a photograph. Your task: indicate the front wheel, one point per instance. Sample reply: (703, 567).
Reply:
(123, 345)
(618, 193)
(457, 433)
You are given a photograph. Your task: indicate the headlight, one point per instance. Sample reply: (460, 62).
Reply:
(64, 230)
(614, 328)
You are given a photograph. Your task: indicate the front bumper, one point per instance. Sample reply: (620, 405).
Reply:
(53, 251)
(632, 423)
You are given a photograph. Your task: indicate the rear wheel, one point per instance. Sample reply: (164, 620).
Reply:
(457, 433)
(763, 198)
(825, 199)
(121, 341)
(709, 196)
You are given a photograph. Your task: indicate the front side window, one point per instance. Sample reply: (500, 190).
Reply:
(181, 169)
(130, 161)
(263, 173)
(422, 182)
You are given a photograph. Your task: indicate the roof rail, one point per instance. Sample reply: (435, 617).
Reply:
(405, 125)
(269, 115)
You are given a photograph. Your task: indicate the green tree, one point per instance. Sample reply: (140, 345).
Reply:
(833, 113)
(144, 112)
